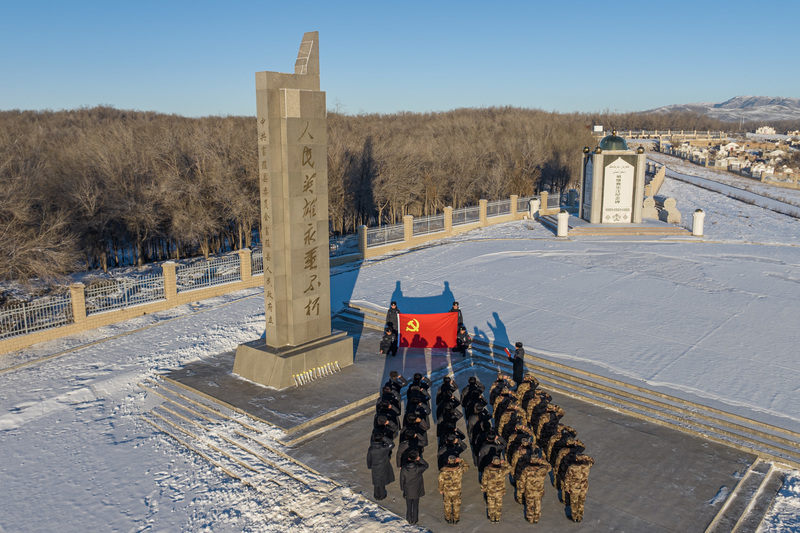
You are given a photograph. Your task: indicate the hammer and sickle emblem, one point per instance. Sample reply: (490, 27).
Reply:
(413, 325)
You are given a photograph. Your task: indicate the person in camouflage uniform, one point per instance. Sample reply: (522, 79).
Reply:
(558, 441)
(575, 485)
(514, 415)
(507, 416)
(536, 407)
(548, 424)
(529, 382)
(530, 486)
(514, 440)
(493, 484)
(450, 487)
(565, 456)
(502, 382)
(525, 447)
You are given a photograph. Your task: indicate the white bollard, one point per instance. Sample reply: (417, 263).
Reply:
(563, 224)
(534, 207)
(698, 218)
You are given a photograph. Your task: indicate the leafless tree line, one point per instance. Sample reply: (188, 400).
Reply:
(101, 187)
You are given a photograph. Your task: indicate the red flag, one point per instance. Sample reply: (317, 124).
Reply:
(436, 330)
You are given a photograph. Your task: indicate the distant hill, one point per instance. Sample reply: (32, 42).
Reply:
(747, 108)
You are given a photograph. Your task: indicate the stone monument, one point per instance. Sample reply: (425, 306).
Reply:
(612, 183)
(293, 183)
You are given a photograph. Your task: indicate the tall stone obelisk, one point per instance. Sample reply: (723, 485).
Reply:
(293, 182)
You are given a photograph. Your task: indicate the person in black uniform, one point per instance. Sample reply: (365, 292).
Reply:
(413, 485)
(379, 461)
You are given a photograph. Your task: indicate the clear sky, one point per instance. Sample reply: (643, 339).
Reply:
(198, 58)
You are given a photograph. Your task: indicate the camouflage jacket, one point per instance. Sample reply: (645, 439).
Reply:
(549, 445)
(515, 439)
(522, 451)
(558, 468)
(450, 479)
(494, 478)
(533, 477)
(525, 386)
(559, 412)
(577, 476)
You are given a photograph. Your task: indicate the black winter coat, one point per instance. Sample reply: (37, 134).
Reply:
(519, 364)
(379, 460)
(393, 316)
(388, 341)
(411, 481)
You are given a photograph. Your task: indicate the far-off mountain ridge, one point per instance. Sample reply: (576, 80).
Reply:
(747, 108)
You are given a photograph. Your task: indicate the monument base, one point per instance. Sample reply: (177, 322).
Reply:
(276, 367)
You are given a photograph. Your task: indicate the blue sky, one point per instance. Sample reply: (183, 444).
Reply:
(199, 58)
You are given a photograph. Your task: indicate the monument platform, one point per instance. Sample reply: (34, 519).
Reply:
(646, 477)
(580, 227)
(276, 367)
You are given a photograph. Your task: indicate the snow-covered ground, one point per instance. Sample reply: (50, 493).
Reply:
(713, 321)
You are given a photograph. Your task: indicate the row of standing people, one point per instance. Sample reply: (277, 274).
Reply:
(390, 340)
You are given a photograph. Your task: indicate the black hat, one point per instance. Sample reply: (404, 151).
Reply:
(472, 379)
(394, 303)
(413, 455)
(455, 303)
(462, 326)
(518, 344)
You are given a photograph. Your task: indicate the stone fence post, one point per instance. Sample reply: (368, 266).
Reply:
(245, 264)
(170, 280)
(543, 197)
(482, 217)
(408, 228)
(362, 241)
(78, 296)
(514, 206)
(448, 220)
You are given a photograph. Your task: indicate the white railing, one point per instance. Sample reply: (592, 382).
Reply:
(385, 235)
(257, 262)
(118, 294)
(208, 273)
(44, 313)
(498, 208)
(466, 215)
(429, 224)
(524, 204)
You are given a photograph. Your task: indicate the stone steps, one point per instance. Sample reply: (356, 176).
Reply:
(750, 500)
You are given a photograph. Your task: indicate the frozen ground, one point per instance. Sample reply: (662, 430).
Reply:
(713, 321)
